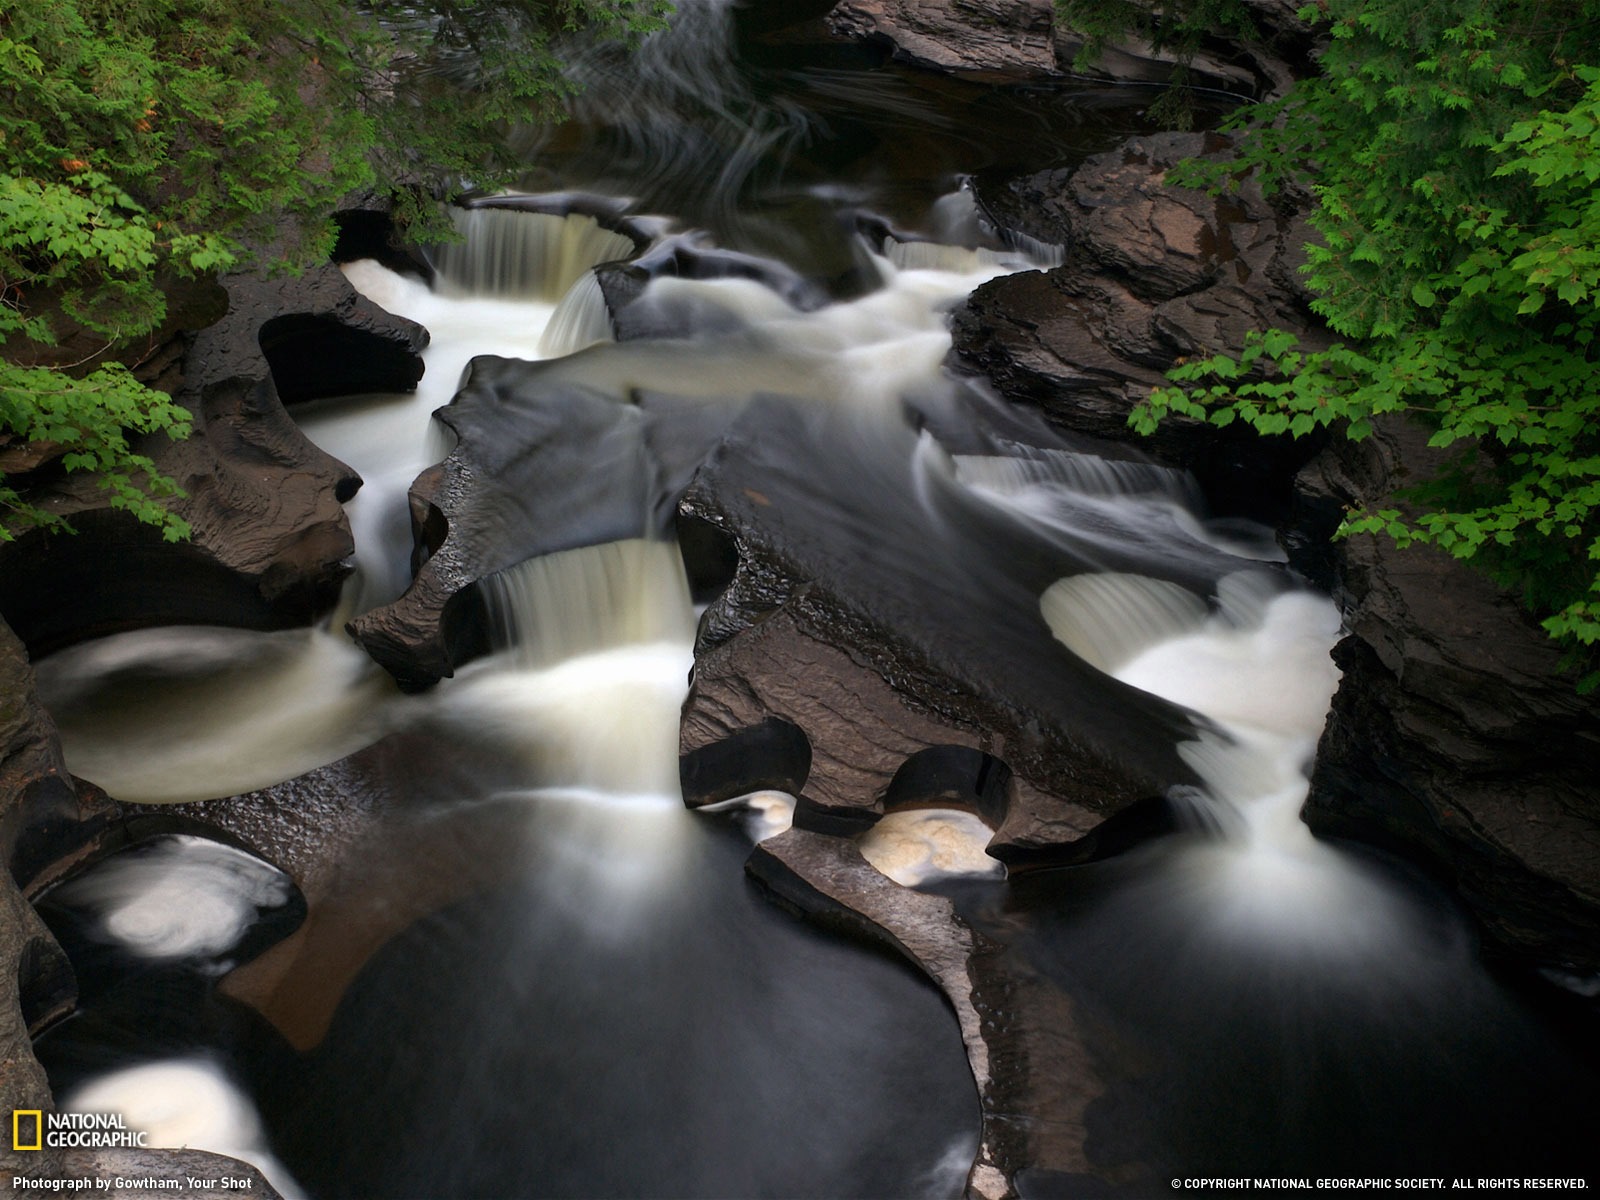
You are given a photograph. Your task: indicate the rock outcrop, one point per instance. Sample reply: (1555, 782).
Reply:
(270, 537)
(1154, 274)
(1456, 736)
(1013, 40)
(536, 470)
(46, 817)
(1034, 1075)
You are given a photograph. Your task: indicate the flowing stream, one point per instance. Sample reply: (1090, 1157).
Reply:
(535, 972)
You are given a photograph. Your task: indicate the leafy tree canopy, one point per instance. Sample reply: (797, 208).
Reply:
(143, 141)
(1453, 150)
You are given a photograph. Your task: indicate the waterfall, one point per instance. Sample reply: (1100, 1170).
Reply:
(596, 649)
(935, 256)
(522, 255)
(573, 603)
(1106, 619)
(580, 320)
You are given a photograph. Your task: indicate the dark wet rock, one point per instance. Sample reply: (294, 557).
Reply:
(536, 470)
(1154, 275)
(317, 334)
(1455, 735)
(824, 630)
(268, 549)
(1015, 40)
(122, 1174)
(636, 315)
(47, 819)
(270, 537)
(1034, 1076)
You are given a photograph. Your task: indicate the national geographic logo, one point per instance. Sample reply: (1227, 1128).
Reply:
(35, 1129)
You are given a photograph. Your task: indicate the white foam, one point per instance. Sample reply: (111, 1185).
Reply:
(180, 897)
(919, 846)
(162, 716)
(767, 813)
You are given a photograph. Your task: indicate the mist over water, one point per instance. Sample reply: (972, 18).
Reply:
(536, 973)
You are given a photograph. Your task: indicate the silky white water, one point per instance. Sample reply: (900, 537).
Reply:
(186, 1103)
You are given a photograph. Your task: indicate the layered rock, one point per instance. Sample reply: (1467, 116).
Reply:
(270, 537)
(1154, 274)
(1012, 40)
(1455, 734)
(45, 817)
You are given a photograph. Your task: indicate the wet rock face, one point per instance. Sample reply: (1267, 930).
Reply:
(1010, 40)
(44, 815)
(1034, 1075)
(270, 535)
(1154, 274)
(536, 470)
(831, 628)
(1455, 734)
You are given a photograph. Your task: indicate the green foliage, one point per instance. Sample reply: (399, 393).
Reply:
(1453, 148)
(143, 141)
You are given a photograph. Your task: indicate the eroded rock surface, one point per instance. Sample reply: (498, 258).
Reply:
(839, 624)
(1010, 40)
(270, 537)
(1455, 733)
(45, 818)
(1034, 1077)
(1154, 274)
(536, 470)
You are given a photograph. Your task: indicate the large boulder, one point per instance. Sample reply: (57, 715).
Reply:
(536, 469)
(1456, 735)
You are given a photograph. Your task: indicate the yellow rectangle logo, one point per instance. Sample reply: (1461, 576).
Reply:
(38, 1128)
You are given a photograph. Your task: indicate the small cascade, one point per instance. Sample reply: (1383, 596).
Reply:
(1107, 619)
(1085, 474)
(597, 646)
(574, 603)
(936, 256)
(581, 319)
(1082, 493)
(522, 255)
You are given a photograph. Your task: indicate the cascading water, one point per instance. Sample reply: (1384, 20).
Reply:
(526, 969)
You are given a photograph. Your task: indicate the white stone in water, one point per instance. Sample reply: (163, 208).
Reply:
(918, 846)
(184, 897)
(185, 1103)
